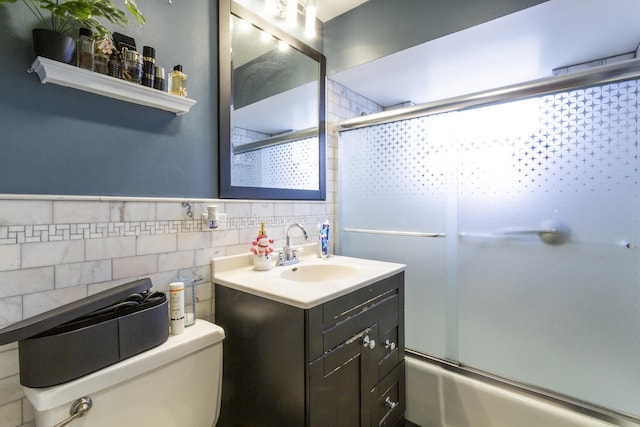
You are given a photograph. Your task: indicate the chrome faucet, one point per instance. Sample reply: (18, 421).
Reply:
(288, 255)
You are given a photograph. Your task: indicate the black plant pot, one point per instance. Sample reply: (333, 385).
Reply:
(54, 45)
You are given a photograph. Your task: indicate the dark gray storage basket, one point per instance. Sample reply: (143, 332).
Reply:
(86, 335)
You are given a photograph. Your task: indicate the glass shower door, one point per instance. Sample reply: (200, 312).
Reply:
(394, 179)
(538, 277)
(547, 265)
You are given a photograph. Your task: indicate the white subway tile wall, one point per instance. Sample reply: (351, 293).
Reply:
(102, 244)
(56, 250)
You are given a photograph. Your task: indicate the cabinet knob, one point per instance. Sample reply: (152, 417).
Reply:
(389, 403)
(368, 342)
(390, 345)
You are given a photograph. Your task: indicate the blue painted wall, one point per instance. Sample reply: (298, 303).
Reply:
(56, 140)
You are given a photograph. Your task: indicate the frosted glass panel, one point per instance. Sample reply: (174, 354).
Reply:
(537, 279)
(564, 317)
(395, 179)
(290, 165)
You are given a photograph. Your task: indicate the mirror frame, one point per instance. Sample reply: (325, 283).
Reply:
(226, 189)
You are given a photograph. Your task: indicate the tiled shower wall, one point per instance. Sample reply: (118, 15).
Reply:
(54, 250)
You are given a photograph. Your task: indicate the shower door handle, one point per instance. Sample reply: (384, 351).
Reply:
(524, 231)
(550, 232)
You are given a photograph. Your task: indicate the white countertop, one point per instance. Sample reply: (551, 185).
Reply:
(237, 272)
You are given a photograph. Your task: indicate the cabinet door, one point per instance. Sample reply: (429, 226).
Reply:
(340, 383)
(263, 361)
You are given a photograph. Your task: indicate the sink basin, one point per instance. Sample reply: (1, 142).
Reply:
(311, 282)
(318, 272)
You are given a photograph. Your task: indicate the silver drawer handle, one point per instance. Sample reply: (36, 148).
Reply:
(78, 409)
(390, 345)
(357, 336)
(389, 404)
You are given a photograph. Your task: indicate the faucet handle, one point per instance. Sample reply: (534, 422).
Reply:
(295, 252)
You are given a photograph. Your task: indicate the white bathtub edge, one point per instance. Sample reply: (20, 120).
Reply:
(437, 397)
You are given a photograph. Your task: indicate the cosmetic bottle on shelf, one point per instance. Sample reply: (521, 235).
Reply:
(148, 65)
(178, 81)
(131, 65)
(84, 49)
(159, 82)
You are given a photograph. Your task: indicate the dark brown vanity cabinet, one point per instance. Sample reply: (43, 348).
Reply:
(337, 364)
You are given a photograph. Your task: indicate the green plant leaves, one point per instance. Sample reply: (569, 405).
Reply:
(65, 15)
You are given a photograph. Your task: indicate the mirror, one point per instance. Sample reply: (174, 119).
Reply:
(271, 110)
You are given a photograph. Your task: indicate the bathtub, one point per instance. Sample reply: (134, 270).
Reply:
(438, 396)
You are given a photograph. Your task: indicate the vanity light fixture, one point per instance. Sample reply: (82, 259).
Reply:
(288, 10)
(310, 19)
(292, 13)
(271, 7)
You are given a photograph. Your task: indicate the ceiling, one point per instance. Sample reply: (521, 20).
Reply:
(515, 48)
(329, 9)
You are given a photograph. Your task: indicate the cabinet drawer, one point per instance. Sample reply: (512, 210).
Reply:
(344, 330)
(389, 350)
(351, 304)
(335, 321)
(388, 398)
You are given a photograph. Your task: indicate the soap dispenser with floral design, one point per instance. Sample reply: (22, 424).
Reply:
(262, 247)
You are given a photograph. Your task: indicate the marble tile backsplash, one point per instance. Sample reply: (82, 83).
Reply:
(89, 246)
(53, 259)
(55, 250)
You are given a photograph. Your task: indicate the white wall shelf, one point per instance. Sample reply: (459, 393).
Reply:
(55, 72)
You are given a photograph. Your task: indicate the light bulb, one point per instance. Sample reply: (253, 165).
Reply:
(265, 37)
(310, 19)
(271, 7)
(292, 13)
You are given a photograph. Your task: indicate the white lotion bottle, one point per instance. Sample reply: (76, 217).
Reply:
(212, 216)
(176, 307)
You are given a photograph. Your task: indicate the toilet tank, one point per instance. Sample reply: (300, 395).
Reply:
(173, 385)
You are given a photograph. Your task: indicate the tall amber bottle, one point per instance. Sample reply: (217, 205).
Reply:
(178, 81)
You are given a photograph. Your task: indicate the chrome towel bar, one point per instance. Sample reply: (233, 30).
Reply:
(394, 233)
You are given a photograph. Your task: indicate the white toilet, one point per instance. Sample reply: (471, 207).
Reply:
(176, 384)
